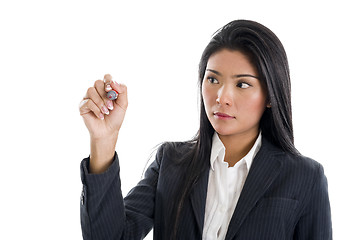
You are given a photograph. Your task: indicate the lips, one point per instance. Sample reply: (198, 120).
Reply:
(222, 115)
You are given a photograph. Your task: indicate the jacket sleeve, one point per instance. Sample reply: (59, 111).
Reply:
(104, 212)
(315, 222)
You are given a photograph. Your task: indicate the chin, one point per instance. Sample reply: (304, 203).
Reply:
(229, 131)
(223, 131)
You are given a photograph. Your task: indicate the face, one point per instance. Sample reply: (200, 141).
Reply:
(234, 99)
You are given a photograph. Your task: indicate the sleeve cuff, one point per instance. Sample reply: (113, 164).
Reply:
(94, 181)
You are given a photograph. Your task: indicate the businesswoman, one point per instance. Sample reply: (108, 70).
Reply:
(241, 177)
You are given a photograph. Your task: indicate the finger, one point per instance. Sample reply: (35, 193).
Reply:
(97, 97)
(99, 86)
(107, 81)
(122, 90)
(87, 105)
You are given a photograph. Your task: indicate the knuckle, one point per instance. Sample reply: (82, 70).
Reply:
(93, 107)
(99, 103)
(94, 96)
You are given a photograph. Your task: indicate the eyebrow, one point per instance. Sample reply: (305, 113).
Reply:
(235, 76)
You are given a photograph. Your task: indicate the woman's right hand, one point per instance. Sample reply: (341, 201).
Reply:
(103, 118)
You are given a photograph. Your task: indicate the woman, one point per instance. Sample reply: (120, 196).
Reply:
(241, 177)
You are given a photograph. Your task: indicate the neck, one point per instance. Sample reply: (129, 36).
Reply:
(237, 146)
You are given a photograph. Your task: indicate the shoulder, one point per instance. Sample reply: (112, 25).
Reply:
(297, 170)
(175, 151)
(171, 164)
(301, 163)
(176, 148)
(295, 163)
(299, 176)
(304, 174)
(309, 185)
(167, 158)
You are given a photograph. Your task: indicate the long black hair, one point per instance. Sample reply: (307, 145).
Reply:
(267, 54)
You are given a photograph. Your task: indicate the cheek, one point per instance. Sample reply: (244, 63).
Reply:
(255, 104)
(207, 95)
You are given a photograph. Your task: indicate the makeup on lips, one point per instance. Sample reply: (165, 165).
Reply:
(223, 116)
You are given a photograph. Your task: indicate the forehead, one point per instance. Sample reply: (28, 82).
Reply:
(232, 62)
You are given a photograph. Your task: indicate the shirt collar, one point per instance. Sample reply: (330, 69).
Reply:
(218, 150)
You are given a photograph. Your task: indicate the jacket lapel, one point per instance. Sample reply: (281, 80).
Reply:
(265, 168)
(198, 198)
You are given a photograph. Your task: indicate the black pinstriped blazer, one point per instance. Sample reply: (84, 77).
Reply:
(284, 197)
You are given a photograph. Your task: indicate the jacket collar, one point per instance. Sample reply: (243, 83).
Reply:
(266, 166)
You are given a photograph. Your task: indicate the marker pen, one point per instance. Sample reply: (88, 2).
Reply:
(112, 95)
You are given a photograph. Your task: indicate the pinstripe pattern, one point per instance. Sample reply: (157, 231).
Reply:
(284, 197)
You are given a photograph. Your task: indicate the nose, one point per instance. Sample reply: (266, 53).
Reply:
(225, 96)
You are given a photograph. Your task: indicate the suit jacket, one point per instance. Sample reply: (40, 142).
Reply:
(284, 197)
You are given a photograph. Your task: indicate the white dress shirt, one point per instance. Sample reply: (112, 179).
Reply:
(224, 188)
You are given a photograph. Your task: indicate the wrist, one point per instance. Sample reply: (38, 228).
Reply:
(101, 154)
(104, 137)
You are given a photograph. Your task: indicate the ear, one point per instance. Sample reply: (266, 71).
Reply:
(268, 101)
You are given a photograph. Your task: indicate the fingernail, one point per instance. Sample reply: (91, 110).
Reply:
(105, 110)
(108, 87)
(101, 116)
(110, 105)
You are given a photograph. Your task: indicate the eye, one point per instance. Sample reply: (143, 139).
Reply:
(212, 80)
(243, 85)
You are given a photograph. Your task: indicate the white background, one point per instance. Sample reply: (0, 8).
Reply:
(52, 51)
